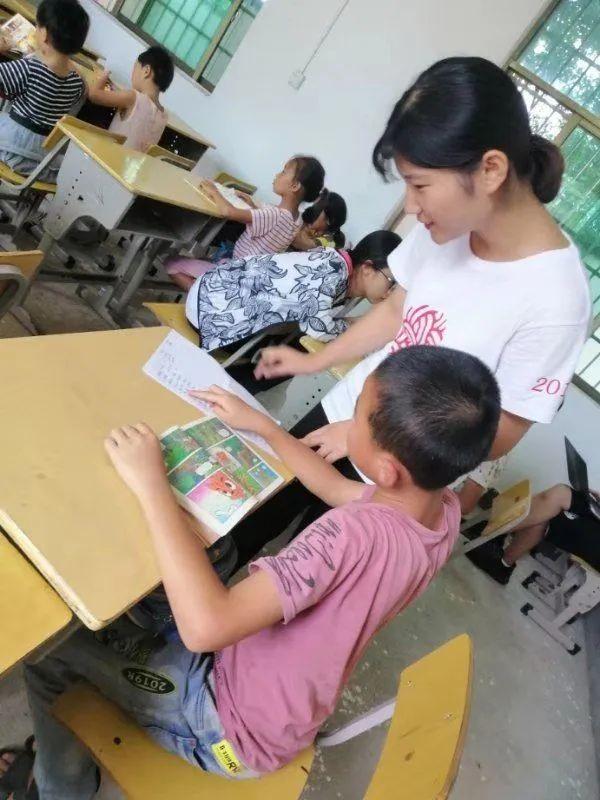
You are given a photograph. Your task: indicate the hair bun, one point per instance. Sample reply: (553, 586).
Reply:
(546, 168)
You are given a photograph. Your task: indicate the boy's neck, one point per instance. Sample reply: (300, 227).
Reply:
(291, 204)
(57, 62)
(152, 91)
(422, 505)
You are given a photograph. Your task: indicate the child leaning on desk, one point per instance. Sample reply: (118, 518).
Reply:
(42, 87)
(253, 671)
(269, 228)
(140, 116)
(240, 298)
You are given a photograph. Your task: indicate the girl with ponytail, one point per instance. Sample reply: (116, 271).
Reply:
(322, 223)
(485, 270)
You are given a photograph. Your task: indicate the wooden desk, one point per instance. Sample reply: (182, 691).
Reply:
(180, 138)
(60, 498)
(129, 191)
(30, 609)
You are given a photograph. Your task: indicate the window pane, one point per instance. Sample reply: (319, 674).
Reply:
(577, 206)
(566, 52)
(547, 116)
(230, 42)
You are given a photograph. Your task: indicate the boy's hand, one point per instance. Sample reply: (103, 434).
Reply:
(136, 455)
(277, 362)
(330, 441)
(234, 411)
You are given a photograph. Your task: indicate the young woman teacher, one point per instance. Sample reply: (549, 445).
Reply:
(486, 270)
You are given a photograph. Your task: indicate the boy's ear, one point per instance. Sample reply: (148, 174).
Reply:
(389, 470)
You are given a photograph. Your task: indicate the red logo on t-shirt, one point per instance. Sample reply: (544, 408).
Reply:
(422, 325)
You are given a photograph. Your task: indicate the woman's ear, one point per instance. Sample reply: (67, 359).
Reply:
(493, 170)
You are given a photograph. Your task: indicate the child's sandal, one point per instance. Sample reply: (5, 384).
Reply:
(17, 775)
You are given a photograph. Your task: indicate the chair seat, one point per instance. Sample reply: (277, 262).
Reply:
(173, 316)
(144, 771)
(9, 175)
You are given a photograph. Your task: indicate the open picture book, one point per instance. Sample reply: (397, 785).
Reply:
(20, 34)
(215, 474)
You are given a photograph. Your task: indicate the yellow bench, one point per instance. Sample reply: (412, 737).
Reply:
(509, 509)
(419, 761)
(30, 610)
(10, 176)
(17, 269)
(173, 316)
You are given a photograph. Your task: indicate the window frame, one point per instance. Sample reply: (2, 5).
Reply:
(197, 73)
(580, 117)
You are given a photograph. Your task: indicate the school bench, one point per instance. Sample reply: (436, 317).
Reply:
(419, 760)
(31, 611)
(509, 509)
(16, 270)
(559, 592)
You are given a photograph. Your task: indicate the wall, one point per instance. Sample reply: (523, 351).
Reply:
(541, 454)
(372, 54)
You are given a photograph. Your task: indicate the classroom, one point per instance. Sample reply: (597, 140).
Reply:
(300, 352)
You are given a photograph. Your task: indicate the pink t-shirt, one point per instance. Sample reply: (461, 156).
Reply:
(272, 230)
(339, 581)
(143, 125)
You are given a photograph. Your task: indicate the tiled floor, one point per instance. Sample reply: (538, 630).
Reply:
(529, 736)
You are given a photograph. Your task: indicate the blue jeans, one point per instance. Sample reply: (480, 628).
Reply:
(167, 689)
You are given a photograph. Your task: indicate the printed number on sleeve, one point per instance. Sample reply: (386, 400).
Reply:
(550, 386)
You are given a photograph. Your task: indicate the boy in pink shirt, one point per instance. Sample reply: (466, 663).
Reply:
(257, 668)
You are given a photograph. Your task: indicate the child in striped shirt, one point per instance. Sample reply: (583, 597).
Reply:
(269, 229)
(42, 87)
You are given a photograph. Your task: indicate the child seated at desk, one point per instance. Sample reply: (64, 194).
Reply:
(322, 223)
(269, 229)
(140, 116)
(42, 87)
(235, 300)
(255, 670)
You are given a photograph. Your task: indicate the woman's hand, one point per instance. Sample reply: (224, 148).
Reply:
(277, 362)
(234, 411)
(330, 441)
(137, 456)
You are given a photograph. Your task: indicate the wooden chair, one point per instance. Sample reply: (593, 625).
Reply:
(419, 760)
(509, 509)
(17, 269)
(315, 346)
(31, 611)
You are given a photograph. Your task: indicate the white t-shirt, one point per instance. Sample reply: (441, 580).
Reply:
(526, 319)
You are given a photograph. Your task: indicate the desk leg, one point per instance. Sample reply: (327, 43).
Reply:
(132, 278)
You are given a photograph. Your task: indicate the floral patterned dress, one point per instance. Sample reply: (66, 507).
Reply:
(244, 296)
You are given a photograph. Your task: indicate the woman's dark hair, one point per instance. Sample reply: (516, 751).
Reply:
(437, 412)
(161, 64)
(66, 22)
(334, 207)
(311, 175)
(375, 247)
(456, 111)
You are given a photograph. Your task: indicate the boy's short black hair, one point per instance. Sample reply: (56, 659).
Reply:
(161, 64)
(437, 412)
(66, 22)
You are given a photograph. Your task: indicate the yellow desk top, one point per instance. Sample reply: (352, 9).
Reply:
(141, 174)
(60, 498)
(179, 126)
(30, 610)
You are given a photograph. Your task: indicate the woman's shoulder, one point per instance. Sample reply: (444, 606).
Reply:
(560, 285)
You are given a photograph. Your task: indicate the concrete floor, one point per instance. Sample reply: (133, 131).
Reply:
(530, 733)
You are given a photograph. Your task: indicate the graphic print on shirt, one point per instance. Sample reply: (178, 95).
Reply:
(293, 565)
(421, 325)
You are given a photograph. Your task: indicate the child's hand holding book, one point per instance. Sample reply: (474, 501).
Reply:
(235, 412)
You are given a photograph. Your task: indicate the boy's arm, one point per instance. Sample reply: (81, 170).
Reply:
(209, 616)
(315, 473)
(101, 95)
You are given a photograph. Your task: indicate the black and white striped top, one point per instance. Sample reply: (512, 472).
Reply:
(38, 95)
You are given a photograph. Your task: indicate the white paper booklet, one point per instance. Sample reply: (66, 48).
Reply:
(228, 192)
(179, 365)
